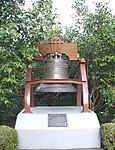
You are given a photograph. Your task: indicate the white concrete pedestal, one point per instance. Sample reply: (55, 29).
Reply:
(83, 130)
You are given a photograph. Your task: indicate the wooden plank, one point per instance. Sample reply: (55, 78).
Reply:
(69, 49)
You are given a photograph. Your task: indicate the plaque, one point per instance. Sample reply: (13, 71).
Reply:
(57, 120)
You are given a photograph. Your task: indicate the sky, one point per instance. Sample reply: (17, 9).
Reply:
(63, 8)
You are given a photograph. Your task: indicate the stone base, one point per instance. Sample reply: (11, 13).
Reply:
(82, 129)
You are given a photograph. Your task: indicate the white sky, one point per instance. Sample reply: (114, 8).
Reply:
(65, 11)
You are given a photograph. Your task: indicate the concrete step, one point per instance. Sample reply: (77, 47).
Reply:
(68, 149)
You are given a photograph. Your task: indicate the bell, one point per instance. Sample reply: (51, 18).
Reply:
(55, 68)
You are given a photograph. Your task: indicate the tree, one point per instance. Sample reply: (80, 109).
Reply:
(19, 30)
(96, 43)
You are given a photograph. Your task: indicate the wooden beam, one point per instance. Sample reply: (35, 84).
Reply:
(52, 81)
(84, 86)
(69, 49)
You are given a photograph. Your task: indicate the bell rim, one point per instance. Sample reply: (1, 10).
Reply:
(61, 88)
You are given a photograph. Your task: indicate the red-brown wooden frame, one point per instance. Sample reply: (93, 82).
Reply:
(53, 47)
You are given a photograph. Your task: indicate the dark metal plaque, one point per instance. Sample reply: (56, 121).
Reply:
(57, 120)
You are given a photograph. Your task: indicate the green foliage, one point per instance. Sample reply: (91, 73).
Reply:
(8, 138)
(108, 135)
(10, 10)
(55, 99)
(70, 35)
(94, 34)
(80, 15)
(8, 111)
(99, 51)
(19, 30)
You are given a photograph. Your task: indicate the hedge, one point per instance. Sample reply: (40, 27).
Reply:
(8, 138)
(108, 136)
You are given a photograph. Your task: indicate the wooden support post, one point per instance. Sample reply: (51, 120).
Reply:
(28, 97)
(79, 89)
(84, 86)
(32, 96)
(85, 98)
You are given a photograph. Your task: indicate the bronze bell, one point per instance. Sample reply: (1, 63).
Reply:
(55, 68)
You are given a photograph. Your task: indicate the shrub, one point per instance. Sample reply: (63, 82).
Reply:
(108, 135)
(8, 138)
